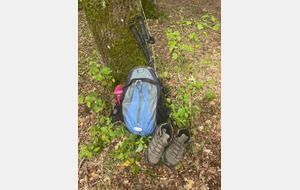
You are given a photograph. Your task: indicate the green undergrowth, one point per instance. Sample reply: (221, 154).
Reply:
(190, 92)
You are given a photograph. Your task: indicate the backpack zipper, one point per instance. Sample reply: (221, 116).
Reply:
(141, 97)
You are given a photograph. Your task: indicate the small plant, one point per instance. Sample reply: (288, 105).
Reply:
(209, 95)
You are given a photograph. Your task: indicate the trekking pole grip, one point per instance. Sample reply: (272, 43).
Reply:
(136, 35)
(144, 31)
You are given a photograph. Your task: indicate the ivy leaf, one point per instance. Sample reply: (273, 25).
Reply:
(199, 26)
(175, 56)
(191, 35)
(106, 70)
(205, 16)
(178, 38)
(135, 169)
(176, 33)
(216, 27)
(188, 22)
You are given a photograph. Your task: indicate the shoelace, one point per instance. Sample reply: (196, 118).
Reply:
(156, 149)
(176, 148)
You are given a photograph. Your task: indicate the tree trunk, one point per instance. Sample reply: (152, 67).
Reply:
(109, 22)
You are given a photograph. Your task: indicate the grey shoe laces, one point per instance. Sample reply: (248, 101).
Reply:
(156, 149)
(176, 148)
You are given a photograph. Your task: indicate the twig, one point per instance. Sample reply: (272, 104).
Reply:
(80, 164)
(96, 182)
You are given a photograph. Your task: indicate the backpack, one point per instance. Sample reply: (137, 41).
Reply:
(143, 106)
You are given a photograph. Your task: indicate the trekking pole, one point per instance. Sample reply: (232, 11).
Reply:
(139, 40)
(145, 37)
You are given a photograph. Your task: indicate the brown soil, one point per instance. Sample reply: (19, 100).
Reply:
(201, 168)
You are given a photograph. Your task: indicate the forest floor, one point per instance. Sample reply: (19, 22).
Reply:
(201, 163)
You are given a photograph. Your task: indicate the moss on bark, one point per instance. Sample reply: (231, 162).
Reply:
(109, 22)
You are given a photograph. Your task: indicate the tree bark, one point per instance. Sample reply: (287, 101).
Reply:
(109, 22)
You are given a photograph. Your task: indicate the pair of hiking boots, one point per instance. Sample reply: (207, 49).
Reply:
(163, 146)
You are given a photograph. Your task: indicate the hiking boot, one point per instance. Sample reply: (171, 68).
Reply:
(161, 139)
(174, 151)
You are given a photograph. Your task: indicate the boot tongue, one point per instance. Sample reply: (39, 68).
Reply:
(165, 136)
(182, 138)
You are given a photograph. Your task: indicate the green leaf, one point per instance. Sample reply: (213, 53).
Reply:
(199, 26)
(92, 93)
(216, 27)
(212, 18)
(140, 148)
(205, 128)
(188, 23)
(166, 74)
(121, 156)
(181, 46)
(202, 144)
(205, 16)
(124, 144)
(179, 124)
(80, 100)
(89, 155)
(181, 111)
(168, 100)
(206, 25)
(95, 107)
(135, 169)
(172, 106)
(138, 158)
(82, 153)
(187, 96)
(96, 149)
(104, 130)
(204, 33)
(94, 69)
(175, 56)
(176, 33)
(191, 35)
(96, 139)
(178, 38)
(131, 160)
(178, 166)
(170, 36)
(106, 70)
